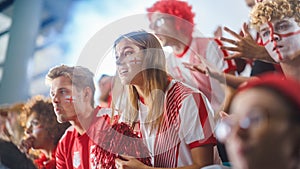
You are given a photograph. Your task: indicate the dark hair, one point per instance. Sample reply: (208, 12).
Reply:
(44, 111)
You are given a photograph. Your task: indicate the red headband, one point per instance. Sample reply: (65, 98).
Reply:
(288, 87)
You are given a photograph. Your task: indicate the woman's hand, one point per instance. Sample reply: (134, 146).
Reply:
(205, 70)
(26, 144)
(129, 162)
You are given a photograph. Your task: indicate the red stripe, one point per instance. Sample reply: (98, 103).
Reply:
(230, 63)
(204, 119)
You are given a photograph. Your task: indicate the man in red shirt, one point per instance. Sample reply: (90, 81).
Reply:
(72, 92)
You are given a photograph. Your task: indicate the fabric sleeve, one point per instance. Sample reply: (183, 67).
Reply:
(60, 156)
(229, 65)
(196, 121)
(62, 149)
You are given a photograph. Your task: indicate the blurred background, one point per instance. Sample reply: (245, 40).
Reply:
(36, 35)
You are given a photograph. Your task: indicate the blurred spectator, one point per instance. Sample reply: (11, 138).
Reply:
(105, 85)
(42, 131)
(173, 23)
(264, 131)
(12, 121)
(12, 158)
(278, 24)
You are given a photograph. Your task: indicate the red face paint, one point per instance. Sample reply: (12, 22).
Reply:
(281, 39)
(70, 99)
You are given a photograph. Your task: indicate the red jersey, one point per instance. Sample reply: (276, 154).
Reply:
(78, 151)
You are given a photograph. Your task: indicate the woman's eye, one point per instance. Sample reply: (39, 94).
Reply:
(35, 123)
(128, 53)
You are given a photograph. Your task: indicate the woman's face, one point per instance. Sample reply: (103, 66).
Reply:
(35, 129)
(281, 39)
(129, 62)
(259, 130)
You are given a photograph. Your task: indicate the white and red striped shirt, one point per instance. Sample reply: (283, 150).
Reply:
(202, 51)
(187, 123)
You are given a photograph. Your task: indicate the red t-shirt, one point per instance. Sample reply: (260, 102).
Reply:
(77, 151)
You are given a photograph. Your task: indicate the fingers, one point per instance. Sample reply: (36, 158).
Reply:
(189, 66)
(122, 160)
(232, 49)
(228, 40)
(199, 68)
(232, 33)
(119, 163)
(246, 29)
(26, 144)
(223, 114)
(233, 56)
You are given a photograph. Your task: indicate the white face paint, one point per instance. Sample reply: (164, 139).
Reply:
(70, 99)
(281, 38)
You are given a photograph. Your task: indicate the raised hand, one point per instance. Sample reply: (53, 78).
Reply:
(244, 46)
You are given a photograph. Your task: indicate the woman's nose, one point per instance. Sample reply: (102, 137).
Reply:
(28, 130)
(120, 61)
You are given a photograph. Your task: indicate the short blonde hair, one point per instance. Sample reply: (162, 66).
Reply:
(270, 10)
(80, 77)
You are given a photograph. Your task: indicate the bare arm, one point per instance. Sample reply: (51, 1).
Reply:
(225, 78)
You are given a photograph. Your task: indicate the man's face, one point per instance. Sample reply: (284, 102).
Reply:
(64, 99)
(164, 28)
(281, 39)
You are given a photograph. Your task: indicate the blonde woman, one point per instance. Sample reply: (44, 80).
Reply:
(173, 119)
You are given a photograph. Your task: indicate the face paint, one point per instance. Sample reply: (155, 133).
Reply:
(133, 60)
(70, 99)
(281, 39)
(129, 61)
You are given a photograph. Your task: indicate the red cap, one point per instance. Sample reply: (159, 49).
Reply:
(287, 86)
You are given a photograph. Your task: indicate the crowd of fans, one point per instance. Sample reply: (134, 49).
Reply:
(192, 109)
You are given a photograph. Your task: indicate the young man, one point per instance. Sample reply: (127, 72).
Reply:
(72, 92)
(278, 24)
(173, 23)
(105, 83)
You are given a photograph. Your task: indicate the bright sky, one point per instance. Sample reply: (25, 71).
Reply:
(93, 15)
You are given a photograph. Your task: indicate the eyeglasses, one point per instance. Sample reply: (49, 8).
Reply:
(159, 22)
(252, 121)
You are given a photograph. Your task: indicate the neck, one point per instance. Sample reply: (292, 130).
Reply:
(181, 44)
(83, 120)
(292, 69)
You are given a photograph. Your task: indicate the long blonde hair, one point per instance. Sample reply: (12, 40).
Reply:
(155, 76)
